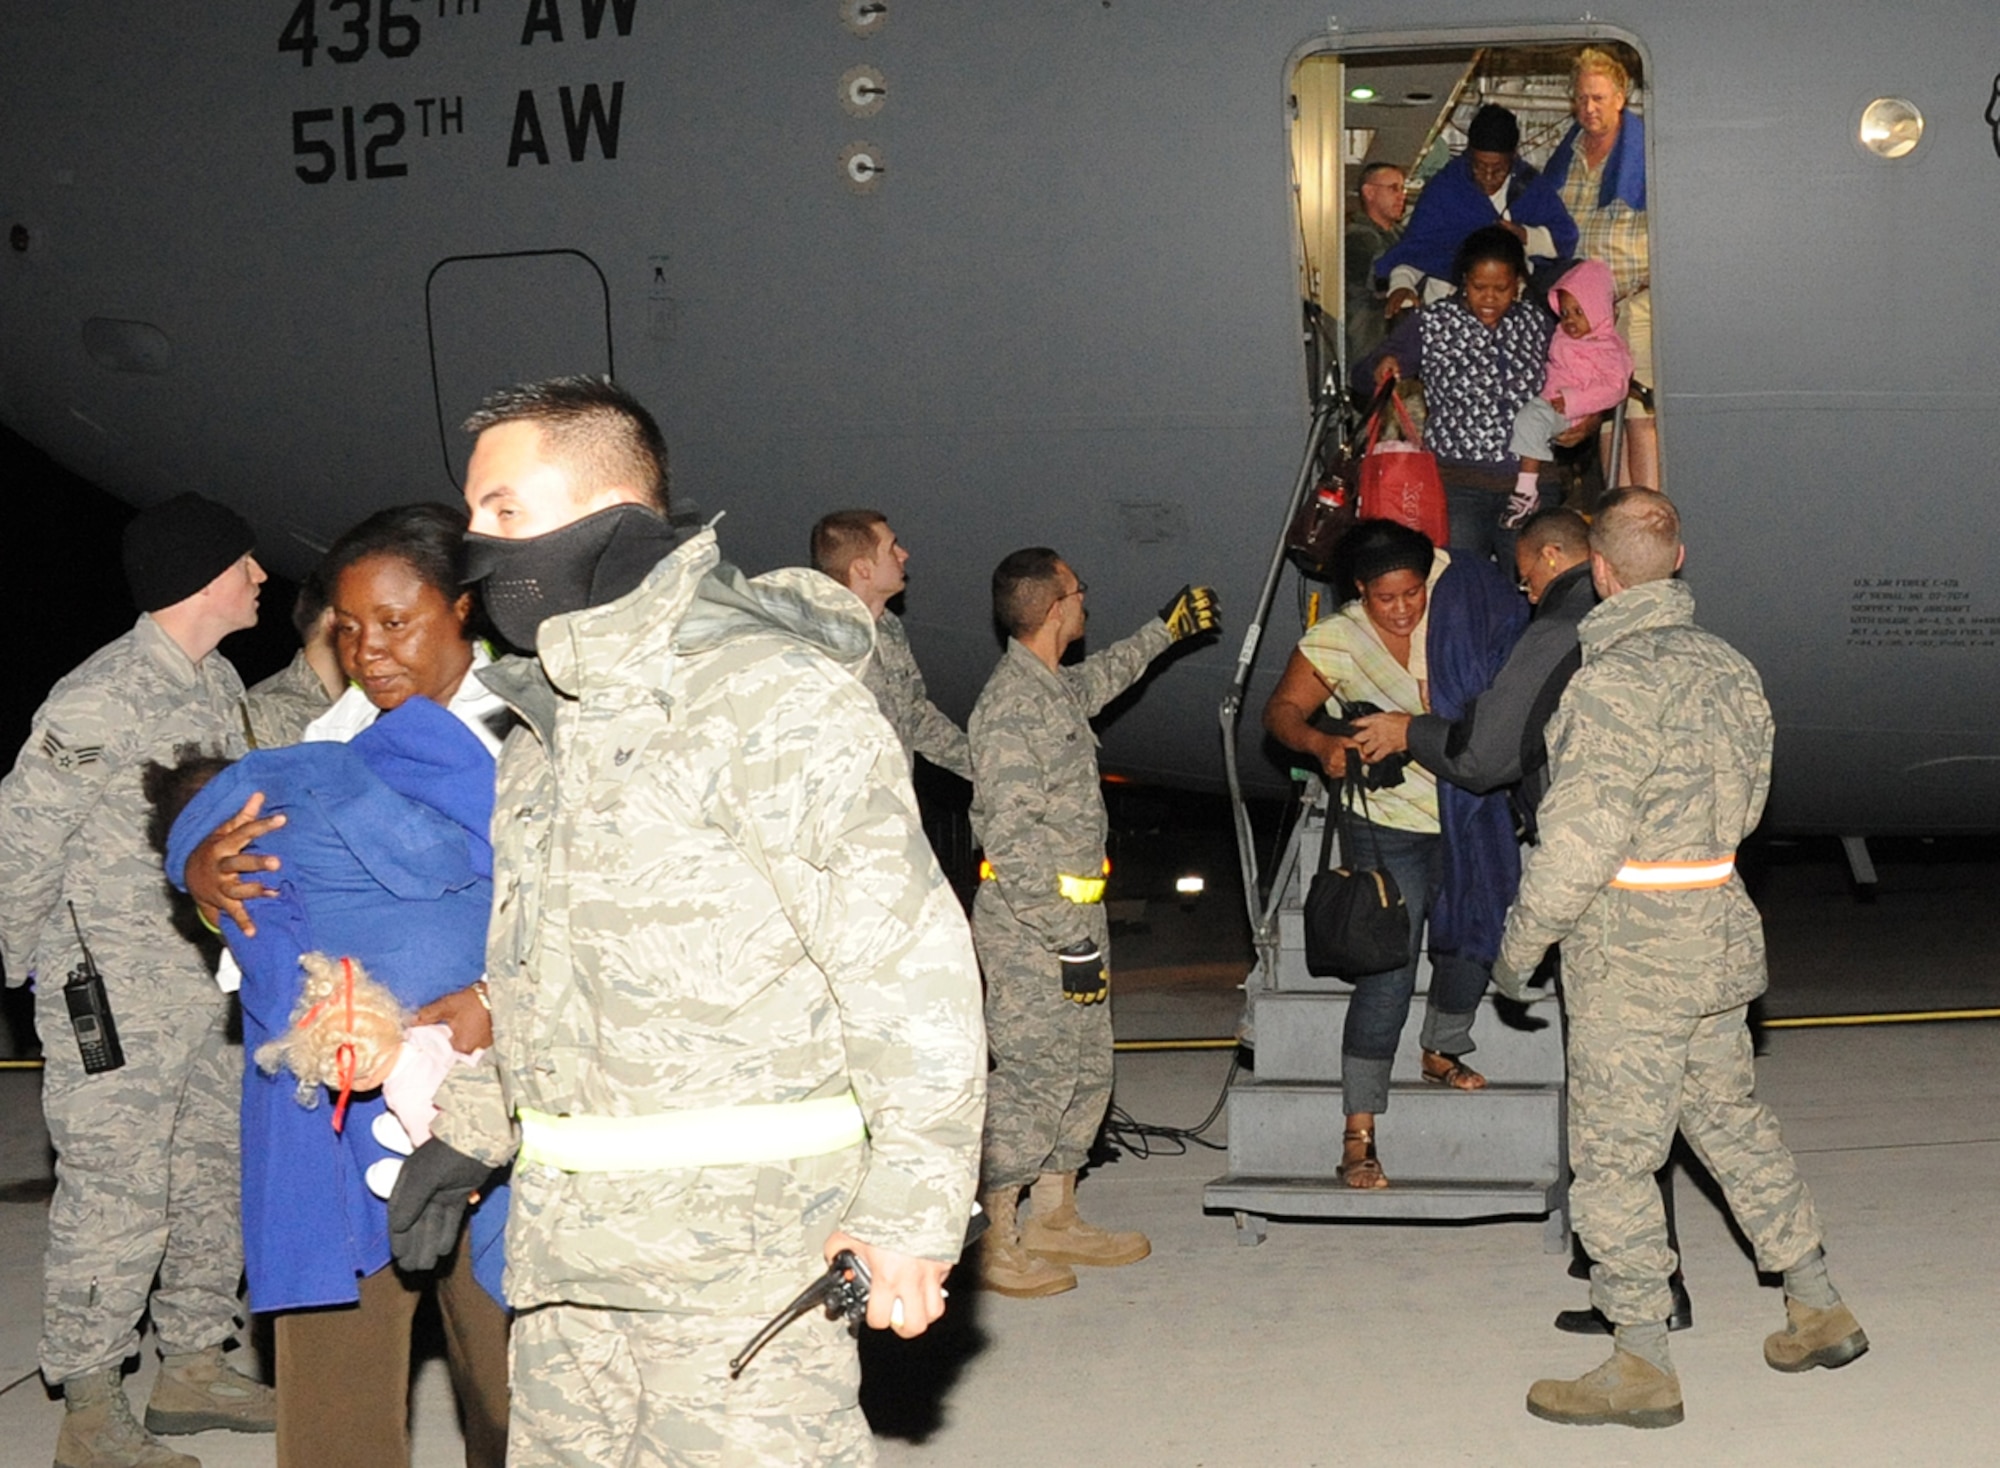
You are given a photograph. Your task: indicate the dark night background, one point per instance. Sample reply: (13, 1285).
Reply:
(60, 557)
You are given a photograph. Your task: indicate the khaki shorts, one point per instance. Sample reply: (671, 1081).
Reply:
(1635, 325)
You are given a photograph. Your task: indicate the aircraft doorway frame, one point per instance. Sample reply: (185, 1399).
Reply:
(1324, 278)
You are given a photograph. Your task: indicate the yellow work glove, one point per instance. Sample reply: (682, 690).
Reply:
(1193, 610)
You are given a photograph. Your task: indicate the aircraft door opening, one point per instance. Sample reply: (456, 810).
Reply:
(1374, 132)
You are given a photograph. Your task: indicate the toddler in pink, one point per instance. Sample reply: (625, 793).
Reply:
(1590, 368)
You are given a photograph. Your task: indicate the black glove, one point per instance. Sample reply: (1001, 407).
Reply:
(1084, 978)
(1193, 610)
(427, 1206)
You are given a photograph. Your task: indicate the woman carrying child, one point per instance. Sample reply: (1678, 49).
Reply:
(1481, 354)
(374, 847)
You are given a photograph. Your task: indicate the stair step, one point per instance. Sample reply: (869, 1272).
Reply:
(1298, 1039)
(1507, 1132)
(1414, 1198)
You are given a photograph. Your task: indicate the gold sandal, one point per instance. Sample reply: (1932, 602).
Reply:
(1366, 1170)
(1456, 1075)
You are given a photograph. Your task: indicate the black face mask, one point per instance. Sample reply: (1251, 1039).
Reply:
(585, 564)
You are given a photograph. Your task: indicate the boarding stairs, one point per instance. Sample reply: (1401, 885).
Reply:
(1449, 1155)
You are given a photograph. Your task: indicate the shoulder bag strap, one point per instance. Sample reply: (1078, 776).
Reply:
(1326, 830)
(1352, 791)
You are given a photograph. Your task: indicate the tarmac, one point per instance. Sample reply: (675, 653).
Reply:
(1414, 1345)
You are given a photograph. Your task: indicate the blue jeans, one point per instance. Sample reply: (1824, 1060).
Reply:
(1475, 522)
(1381, 1003)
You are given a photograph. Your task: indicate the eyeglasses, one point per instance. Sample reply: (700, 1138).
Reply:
(1081, 588)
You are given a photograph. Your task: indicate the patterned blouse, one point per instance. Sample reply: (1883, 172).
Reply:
(1476, 379)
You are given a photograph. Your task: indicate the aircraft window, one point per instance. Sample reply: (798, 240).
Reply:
(1891, 127)
(1411, 109)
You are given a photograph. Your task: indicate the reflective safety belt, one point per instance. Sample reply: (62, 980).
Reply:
(1675, 876)
(715, 1136)
(1083, 890)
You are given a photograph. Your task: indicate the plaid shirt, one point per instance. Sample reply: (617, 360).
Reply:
(1616, 235)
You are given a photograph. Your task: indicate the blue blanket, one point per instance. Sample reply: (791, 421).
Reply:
(1476, 617)
(387, 861)
(1452, 206)
(1624, 171)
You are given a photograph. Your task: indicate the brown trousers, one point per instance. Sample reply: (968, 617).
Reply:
(343, 1374)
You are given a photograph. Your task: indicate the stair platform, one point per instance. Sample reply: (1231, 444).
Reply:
(1450, 1156)
(1256, 1199)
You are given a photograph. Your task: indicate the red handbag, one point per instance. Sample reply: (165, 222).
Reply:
(1399, 481)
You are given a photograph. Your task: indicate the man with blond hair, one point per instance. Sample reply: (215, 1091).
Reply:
(1599, 169)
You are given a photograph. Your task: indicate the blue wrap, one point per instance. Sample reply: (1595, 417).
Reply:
(1476, 617)
(387, 861)
(1624, 170)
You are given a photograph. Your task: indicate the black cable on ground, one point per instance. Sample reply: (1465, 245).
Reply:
(17, 1381)
(1142, 1139)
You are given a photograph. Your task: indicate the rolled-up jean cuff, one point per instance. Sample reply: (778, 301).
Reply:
(1448, 1033)
(1364, 1084)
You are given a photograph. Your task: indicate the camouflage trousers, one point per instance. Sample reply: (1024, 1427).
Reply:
(147, 1163)
(1635, 1076)
(1051, 1080)
(646, 1389)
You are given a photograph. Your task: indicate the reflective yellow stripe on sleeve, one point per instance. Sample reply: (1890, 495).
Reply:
(1084, 890)
(716, 1136)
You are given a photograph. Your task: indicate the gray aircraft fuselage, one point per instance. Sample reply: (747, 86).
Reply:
(276, 250)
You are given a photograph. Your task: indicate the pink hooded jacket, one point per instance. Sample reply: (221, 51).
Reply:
(1589, 373)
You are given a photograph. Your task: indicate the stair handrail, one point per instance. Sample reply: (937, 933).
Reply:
(1329, 404)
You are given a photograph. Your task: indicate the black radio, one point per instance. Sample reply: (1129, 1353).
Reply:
(90, 1010)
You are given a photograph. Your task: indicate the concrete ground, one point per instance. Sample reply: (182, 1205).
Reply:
(1372, 1344)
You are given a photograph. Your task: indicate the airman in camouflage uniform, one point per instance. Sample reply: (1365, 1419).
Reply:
(280, 707)
(1660, 756)
(1038, 920)
(716, 922)
(859, 550)
(147, 1153)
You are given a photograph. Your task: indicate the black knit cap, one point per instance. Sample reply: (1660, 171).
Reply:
(1379, 547)
(1493, 130)
(178, 546)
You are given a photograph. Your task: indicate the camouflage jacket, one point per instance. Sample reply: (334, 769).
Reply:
(712, 889)
(893, 677)
(73, 818)
(1036, 806)
(1659, 752)
(278, 709)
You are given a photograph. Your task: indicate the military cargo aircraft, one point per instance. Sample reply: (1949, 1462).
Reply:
(1025, 274)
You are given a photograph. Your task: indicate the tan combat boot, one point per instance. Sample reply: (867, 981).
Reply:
(98, 1429)
(1626, 1391)
(1004, 1266)
(1055, 1231)
(198, 1391)
(1829, 1338)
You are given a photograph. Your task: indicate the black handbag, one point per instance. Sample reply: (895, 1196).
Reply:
(1356, 920)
